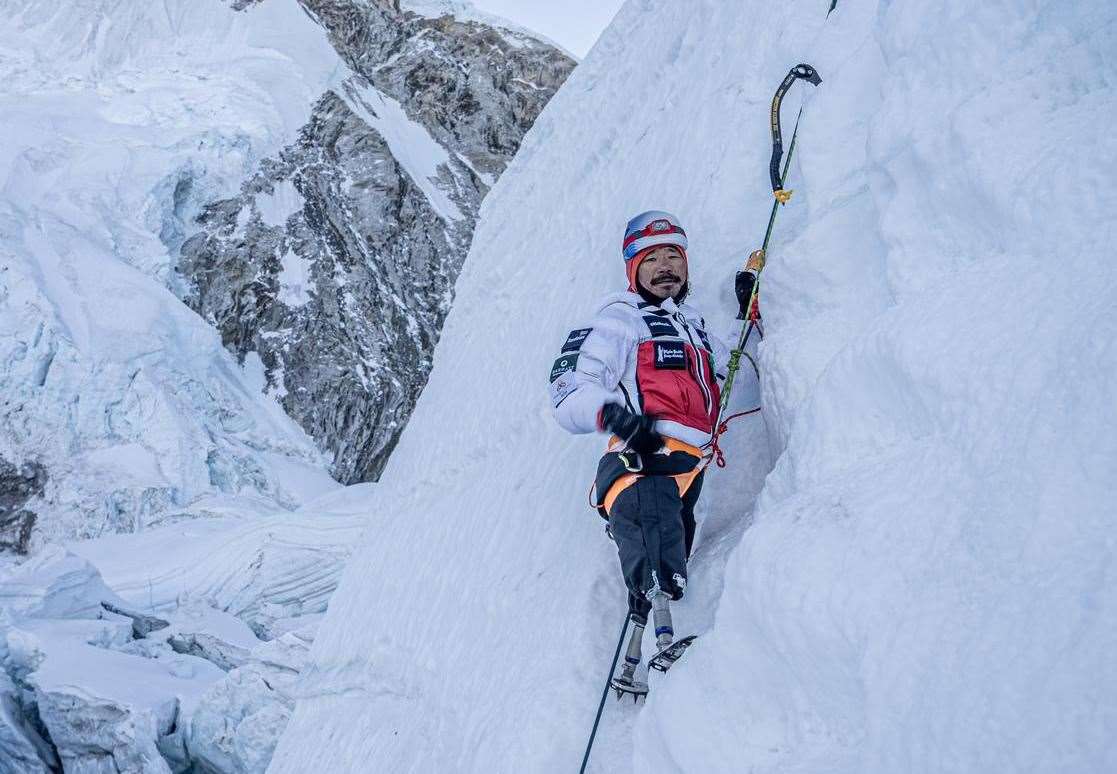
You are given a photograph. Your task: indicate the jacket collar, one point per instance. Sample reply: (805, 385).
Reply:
(636, 301)
(668, 305)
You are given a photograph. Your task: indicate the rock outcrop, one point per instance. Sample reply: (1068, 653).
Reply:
(306, 177)
(18, 484)
(336, 261)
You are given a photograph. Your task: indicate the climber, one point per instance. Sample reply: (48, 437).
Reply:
(647, 371)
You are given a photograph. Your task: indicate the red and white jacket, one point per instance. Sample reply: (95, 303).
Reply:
(656, 360)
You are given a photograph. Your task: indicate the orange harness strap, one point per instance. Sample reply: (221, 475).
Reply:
(683, 480)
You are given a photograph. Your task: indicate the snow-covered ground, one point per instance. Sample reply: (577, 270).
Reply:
(268, 570)
(908, 564)
(225, 610)
(176, 489)
(119, 121)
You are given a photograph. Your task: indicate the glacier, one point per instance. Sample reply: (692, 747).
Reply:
(146, 149)
(194, 662)
(123, 396)
(343, 298)
(908, 563)
(150, 472)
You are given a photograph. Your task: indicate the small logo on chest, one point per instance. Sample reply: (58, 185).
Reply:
(670, 355)
(660, 326)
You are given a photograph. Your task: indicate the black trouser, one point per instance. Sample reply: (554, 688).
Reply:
(654, 531)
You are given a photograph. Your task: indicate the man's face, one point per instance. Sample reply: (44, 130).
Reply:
(662, 272)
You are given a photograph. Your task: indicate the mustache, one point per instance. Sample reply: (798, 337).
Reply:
(666, 277)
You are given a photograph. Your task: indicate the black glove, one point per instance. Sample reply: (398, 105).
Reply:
(746, 281)
(743, 285)
(634, 429)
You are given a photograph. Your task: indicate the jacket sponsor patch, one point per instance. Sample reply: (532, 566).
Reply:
(564, 364)
(563, 386)
(575, 339)
(660, 326)
(668, 355)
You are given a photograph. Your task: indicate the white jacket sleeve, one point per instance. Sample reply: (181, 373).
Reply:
(721, 355)
(586, 378)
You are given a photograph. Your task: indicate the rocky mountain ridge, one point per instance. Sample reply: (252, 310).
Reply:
(305, 176)
(313, 199)
(336, 261)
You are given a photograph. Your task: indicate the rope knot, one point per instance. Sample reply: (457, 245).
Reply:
(719, 455)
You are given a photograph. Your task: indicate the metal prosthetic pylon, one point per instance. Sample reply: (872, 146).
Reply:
(661, 616)
(626, 681)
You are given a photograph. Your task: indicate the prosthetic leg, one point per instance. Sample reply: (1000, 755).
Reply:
(668, 648)
(626, 684)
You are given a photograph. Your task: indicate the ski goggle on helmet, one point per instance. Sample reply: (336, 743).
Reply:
(653, 228)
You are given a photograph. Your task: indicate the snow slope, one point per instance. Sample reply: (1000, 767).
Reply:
(205, 688)
(466, 11)
(120, 119)
(265, 569)
(926, 580)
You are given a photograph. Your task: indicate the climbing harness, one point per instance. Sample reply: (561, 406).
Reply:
(758, 259)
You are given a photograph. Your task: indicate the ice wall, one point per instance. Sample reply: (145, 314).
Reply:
(926, 581)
